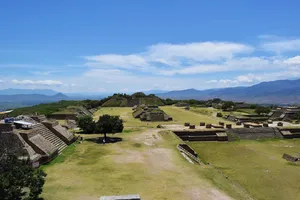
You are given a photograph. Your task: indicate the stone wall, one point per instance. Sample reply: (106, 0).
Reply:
(255, 133)
(202, 135)
(291, 158)
(63, 116)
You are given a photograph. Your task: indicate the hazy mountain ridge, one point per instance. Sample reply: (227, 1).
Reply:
(281, 91)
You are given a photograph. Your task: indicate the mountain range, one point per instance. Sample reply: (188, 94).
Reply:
(273, 92)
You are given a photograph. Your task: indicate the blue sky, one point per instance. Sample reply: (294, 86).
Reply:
(126, 46)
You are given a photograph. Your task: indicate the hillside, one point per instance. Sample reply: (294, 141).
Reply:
(279, 92)
(22, 100)
(123, 100)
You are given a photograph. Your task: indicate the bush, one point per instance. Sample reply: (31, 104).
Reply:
(219, 114)
(86, 124)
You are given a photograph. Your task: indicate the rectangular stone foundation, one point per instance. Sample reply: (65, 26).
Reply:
(125, 197)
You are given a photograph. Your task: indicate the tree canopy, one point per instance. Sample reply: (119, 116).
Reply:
(86, 124)
(109, 124)
(262, 110)
(16, 175)
(298, 115)
(228, 105)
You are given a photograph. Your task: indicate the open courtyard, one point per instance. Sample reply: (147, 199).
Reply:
(146, 162)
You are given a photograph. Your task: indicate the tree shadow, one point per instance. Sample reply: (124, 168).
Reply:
(100, 140)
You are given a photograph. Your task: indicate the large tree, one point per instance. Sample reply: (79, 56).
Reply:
(262, 110)
(228, 105)
(109, 124)
(298, 115)
(86, 124)
(18, 180)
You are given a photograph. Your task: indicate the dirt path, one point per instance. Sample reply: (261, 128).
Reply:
(159, 158)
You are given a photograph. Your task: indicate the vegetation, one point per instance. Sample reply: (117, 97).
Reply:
(45, 109)
(123, 166)
(17, 177)
(298, 115)
(86, 124)
(109, 124)
(124, 100)
(262, 110)
(105, 124)
(228, 105)
(257, 166)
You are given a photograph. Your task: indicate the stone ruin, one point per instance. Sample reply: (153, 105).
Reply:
(255, 133)
(124, 197)
(202, 135)
(291, 158)
(40, 142)
(72, 113)
(188, 151)
(150, 113)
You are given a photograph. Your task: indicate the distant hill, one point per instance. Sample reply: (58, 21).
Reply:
(12, 91)
(279, 92)
(22, 100)
(123, 100)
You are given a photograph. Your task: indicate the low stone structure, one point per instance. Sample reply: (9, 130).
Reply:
(202, 135)
(124, 197)
(291, 158)
(228, 126)
(255, 133)
(187, 124)
(36, 141)
(208, 126)
(59, 131)
(186, 149)
(290, 133)
(202, 123)
(150, 113)
(217, 126)
(192, 126)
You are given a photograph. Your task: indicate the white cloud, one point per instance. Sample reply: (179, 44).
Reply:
(201, 51)
(283, 45)
(171, 55)
(2, 81)
(292, 61)
(113, 60)
(43, 73)
(236, 64)
(37, 82)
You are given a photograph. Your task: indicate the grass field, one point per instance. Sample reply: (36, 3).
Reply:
(180, 116)
(213, 111)
(257, 166)
(147, 162)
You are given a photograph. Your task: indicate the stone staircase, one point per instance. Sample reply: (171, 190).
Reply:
(51, 137)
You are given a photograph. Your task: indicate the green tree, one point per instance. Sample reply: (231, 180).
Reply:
(298, 115)
(16, 175)
(227, 105)
(86, 124)
(109, 124)
(262, 110)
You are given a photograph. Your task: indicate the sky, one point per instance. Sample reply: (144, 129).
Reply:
(97, 46)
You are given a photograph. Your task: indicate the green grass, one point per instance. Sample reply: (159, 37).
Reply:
(257, 166)
(90, 170)
(247, 110)
(180, 116)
